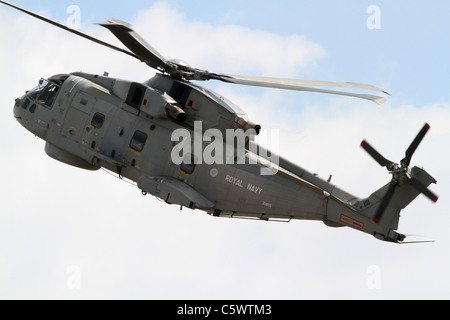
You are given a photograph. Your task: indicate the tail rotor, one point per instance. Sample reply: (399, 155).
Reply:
(400, 173)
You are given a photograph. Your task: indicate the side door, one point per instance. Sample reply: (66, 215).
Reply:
(76, 120)
(98, 123)
(117, 138)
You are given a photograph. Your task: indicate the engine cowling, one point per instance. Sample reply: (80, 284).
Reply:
(160, 105)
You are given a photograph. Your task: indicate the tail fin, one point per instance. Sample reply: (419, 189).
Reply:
(405, 193)
(379, 214)
(358, 213)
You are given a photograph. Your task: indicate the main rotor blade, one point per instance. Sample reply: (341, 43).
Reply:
(385, 202)
(300, 85)
(376, 155)
(78, 33)
(298, 82)
(413, 147)
(419, 186)
(133, 41)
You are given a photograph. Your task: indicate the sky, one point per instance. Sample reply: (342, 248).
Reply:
(70, 234)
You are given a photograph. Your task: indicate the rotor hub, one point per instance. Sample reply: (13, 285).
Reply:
(180, 64)
(400, 173)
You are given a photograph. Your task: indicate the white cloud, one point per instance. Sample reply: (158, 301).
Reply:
(53, 216)
(225, 49)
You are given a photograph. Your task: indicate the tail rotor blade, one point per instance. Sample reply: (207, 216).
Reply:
(376, 155)
(413, 147)
(419, 186)
(384, 204)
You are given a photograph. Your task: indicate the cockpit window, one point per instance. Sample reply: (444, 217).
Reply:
(49, 94)
(36, 91)
(44, 93)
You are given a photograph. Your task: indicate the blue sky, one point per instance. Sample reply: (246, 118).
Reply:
(54, 217)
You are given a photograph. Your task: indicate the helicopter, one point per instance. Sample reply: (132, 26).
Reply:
(193, 148)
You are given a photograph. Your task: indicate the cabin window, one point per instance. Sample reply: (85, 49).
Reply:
(189, 164)
(136, 95)
(98, 120)
(138, 141)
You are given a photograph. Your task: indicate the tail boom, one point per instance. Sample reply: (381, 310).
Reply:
(359, 213)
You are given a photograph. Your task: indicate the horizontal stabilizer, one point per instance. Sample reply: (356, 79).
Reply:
(409, 238)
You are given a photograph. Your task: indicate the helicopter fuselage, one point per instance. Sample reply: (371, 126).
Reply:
(92, 122)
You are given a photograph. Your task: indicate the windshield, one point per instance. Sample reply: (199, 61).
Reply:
(44, 93)
(48, 96)
(36, 91)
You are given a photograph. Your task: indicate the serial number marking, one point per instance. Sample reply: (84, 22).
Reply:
(266, 204)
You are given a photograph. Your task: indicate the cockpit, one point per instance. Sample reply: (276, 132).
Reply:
(47, 90)
(44, 93)
(42, 97)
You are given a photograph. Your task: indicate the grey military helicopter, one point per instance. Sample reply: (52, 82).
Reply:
(91, 122)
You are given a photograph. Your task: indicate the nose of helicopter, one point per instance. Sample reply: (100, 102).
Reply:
(17, 108)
